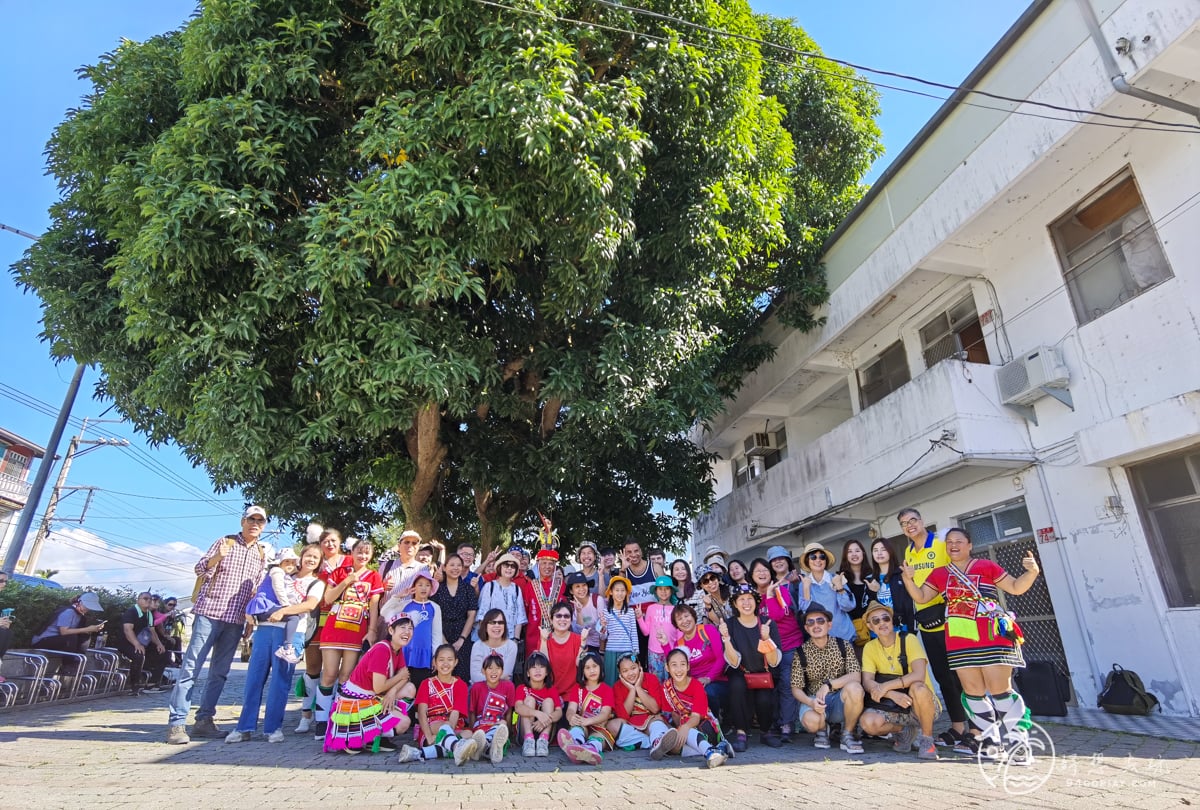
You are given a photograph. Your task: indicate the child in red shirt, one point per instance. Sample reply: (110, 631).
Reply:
(639, 702)
(687, 707)
(441, 712)
(538, 705)
(490, 705)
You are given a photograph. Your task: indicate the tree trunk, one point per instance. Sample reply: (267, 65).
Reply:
(427, 452)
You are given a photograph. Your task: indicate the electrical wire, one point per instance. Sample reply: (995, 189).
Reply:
(878, 71)
(1139, 125)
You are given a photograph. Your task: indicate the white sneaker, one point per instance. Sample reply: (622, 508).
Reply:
(543, 747)
(480, 744)
(409, 754)
(288, 653)
(664, 744)
(714, 758)
(237, 737)
(464, 750)
(530, 747)
(275, 736)
(499, 740)
(304, 725)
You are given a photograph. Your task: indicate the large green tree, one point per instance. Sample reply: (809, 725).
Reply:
(444, 257)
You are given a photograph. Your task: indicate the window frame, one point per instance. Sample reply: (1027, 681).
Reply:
(869, 395)
(1073, 275)
(1173, 586)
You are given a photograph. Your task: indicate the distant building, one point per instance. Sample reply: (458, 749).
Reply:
(1012, 345)
(16, 457)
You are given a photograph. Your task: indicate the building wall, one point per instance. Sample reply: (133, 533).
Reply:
(971, 212)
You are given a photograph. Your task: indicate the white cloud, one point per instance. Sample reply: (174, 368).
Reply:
(85, 558)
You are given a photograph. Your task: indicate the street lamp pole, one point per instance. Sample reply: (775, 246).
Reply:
(43, 474)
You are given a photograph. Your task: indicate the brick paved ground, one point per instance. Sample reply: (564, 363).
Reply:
(109, 753)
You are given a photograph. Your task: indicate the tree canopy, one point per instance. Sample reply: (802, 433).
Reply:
(447, 258)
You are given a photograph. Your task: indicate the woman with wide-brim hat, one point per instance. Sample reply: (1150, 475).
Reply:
(820, 586)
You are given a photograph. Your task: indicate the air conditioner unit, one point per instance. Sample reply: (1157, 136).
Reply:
(759, 444)
(1032, 376)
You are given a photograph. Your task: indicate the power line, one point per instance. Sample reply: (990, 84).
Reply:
(1157, 126)
(161, 498)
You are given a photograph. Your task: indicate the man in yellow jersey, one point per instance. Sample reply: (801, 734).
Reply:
(926, 551)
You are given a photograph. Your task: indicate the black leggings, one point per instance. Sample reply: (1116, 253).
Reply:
(151, 660)
(935, 649)
(745, 703)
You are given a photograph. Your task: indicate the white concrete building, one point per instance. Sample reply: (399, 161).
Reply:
(1012, 345)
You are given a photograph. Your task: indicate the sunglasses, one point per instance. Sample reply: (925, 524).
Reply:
(562, 615)
(881, 620)
(814, 620)
(497, 621)
(256, 520)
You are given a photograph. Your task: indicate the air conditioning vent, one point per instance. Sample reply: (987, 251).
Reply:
(1023, 381)
(759, 444)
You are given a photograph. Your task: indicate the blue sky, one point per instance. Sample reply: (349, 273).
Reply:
(144, 528)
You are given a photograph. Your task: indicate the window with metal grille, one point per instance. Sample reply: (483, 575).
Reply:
(955, 332)
(1109, 249)
(883, 375)
(1168, 494)
(998, 525)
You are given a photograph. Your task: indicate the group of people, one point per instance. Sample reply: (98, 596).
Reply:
(472, 659)
(148, 634)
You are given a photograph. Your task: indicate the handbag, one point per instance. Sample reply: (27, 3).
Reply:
(758, 680)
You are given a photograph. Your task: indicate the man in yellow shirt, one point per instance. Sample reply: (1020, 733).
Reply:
(926, 551)
(900, 699)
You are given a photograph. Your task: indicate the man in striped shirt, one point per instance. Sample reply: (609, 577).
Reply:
(231, 570)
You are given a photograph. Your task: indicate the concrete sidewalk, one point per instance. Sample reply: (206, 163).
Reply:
(110, 753)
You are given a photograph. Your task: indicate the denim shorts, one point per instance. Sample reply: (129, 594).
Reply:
(834, 711)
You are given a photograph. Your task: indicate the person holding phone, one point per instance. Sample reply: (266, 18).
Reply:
(66, 631)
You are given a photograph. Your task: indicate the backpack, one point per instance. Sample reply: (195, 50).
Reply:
(1124, 693)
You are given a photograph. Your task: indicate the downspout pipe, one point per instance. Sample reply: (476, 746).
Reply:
(1117, 76)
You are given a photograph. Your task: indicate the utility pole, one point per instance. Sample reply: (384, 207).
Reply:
(73, 452)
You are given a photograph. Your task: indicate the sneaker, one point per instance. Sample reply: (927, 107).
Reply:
(387, 743)
(902, 743)
(177, 735)
(480, 743)
(304, 725)
(499, 740)
(821, 739)
(965, 743)
(725, 749)
(564, 738)
(206, 728)
(948, 739)
(582, 754)
(287, 653)
(275, 736)
(237, 736)
(1019, 754)
(714, 758)
(409, 754)
(772, 741)
(851, 745)
(785, 735)
(530, 747)
(319, 728)
(739, 742)
(991, 751)
(153, 689)
(464, 750)
(926, 749)
(543, 747)
(664, 744)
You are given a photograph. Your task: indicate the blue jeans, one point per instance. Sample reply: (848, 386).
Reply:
(262, 658)
(221, 638)
(789, 707)
(718, 699)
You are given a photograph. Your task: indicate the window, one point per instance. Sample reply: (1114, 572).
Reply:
(954, 332)
(1168, 493)
(888, 372)
(755, 461)
(1109, 249)
(1003, 524)
(14, 463)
